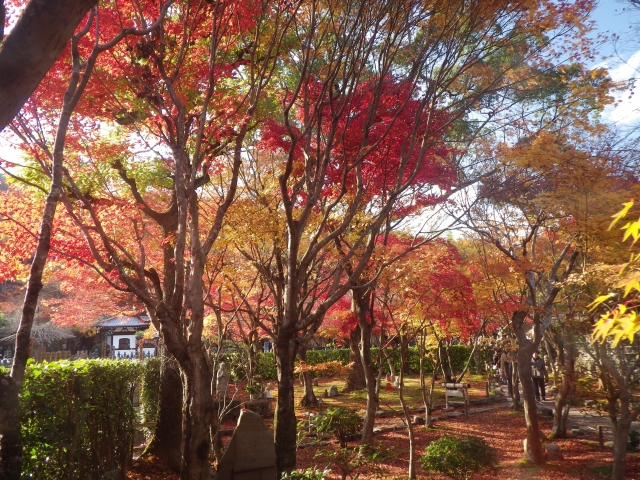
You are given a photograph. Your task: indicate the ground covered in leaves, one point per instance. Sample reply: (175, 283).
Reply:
(500, 427)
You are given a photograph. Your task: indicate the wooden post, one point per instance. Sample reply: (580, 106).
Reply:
(103, 351)
(466, 402)
(600, 438)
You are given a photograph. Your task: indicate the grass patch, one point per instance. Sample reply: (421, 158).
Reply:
(591, 443)
(529, 467)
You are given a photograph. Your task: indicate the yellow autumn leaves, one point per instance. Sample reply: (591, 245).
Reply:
(622, 322)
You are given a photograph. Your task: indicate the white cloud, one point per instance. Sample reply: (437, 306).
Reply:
(627, 108)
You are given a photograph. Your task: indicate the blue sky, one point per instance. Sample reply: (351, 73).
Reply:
(616, 17)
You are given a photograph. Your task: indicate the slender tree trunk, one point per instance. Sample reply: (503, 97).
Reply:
(309, 398)
(355, 378)
(534, 451)
(552, 361)
(404, 351)
(620, 438)
(392, 369)
(515, 380)
(566, 362)
(166, 442)
(477, 362)
(370, 377)
(285, 418)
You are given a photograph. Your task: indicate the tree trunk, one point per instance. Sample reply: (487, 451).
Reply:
(552, 361)
(566, 362)
(355, 378)
(370, 378)
(198, 417)
(285, 428)
(309, 398)
(34, 44)
(392, 369)
(477, 362)
(534, 451)
(515, 380)
(404, 351)
(620, 437)
(166, 442)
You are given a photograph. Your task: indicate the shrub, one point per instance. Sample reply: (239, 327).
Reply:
(308, 474)
(459, 458)
(77, 419)
(150, 389)
(459, 355)
(349, 460)
(343, 422)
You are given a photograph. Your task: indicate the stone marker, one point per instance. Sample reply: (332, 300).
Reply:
(267, 392)
(552, 452)
(333, 391)
(577, 431)
(545, 410)
(527, 455)
(251, 454)
(316, 383)
(418, 420)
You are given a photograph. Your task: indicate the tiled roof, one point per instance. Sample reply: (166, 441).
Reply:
(113, 322)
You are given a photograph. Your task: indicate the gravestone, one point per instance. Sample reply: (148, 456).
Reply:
(315, 382)
(418, 420)
(333, 391)
(552, 452)
(251, 454)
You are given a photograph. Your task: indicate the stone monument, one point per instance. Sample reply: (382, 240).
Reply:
(251, 454)
(222, 382)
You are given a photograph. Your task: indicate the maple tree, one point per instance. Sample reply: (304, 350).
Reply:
(541, 217)
(301, 136)
(78, 76)
(427, 294)
(166, 219)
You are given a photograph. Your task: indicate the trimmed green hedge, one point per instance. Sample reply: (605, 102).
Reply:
(150, 389)
(459, 356)
(78, 418)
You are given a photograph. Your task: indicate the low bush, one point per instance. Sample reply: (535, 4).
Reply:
(78, 418)
(343, 422)
(459, 458)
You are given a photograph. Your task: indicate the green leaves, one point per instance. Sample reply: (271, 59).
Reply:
(77, 418)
